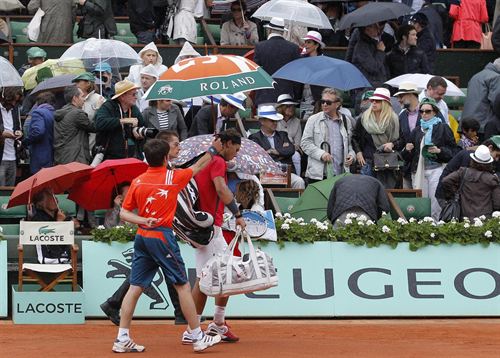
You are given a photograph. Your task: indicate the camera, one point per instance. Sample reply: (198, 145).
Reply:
(145, 132)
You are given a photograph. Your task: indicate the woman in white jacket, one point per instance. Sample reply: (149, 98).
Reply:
(149, 55)
(327, 139)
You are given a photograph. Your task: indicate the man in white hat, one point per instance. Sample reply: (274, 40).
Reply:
(149, 76)
(115, 122)
(274, 142)
(272, 54)
(214, 118)
(409, 116)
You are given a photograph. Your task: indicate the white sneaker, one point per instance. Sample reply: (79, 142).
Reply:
(187, 338)
(205, 342)
(128, 346)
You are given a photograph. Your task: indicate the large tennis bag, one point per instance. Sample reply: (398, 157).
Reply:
(226, 274)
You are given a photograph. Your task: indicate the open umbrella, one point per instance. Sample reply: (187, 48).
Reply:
(209, 75)
(297, 12)
(97, 191)
(9, 77)
(224, 6)
(314, 200)
(94, 51)
(251, 159)
(59, 178)
(323, 71)
(421, 79)
(10, 5)
(74, 67)
(374, 12)
(55, 83)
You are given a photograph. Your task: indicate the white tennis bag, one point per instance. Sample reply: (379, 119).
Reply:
(226, 274)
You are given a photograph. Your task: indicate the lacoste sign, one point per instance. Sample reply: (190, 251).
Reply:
(46, 232)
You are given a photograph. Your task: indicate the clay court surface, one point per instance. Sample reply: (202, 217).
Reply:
(267, 338)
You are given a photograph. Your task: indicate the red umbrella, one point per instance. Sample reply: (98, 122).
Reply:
(96, 192)
(59, 178)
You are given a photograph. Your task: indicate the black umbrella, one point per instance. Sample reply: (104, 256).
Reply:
(372, 13)
(57, 83)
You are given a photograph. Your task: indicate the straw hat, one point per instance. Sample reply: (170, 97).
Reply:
(407, 87)
(123, 87)
(268, 111)
(276, 23)
(285, 99)
(381, 94)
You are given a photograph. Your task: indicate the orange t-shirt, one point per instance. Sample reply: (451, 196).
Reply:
(154, 193)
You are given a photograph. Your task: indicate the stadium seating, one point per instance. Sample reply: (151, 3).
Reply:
(19, 31)
(66, 205)
(11, 215)
(215, 30)
(10, 229)
(408, 203)
(281, 200)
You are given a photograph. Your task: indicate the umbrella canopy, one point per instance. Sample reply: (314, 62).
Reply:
(94, 51)
(323, 71)
(59, 178)
(421, 79)
(374, 12)
(9, 77)
(251, 159)
(97, 191)
(56, 83)
(209, 75)
(74, 67)
(224, 6)
(297, 12)
(10, 5)
(314, 200)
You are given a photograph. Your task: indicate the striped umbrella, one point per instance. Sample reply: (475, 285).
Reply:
(209, 75)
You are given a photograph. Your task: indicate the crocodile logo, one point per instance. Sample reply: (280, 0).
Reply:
(44, 230)
(121, 270)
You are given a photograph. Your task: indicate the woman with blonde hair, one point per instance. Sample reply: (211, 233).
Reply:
(377, 130)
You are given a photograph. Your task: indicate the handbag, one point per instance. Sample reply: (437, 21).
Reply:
(33, 28)
(486, 43)
(386, 161)
(452, 209)
(226, 274)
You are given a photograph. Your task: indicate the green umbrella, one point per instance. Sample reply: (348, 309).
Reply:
(313, 202)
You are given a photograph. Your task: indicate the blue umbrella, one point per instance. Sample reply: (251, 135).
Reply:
(323, 71)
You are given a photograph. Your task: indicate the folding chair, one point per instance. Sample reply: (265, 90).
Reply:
(32, 233)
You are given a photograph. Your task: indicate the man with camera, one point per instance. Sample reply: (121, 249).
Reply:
(119, 124)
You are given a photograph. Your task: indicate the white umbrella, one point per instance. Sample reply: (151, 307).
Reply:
(10, 5)
(421, 79)
(298, 12)
(9, 77)
(93, 51)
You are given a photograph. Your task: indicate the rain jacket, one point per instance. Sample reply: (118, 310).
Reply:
(187, 50)
(57, 23)
(40, 138)
(71, 135)
(369, 60)
(482, 90)
(468, 16)
(315, 133)
(134, 74)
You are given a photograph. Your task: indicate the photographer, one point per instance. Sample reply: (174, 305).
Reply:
(118, 123)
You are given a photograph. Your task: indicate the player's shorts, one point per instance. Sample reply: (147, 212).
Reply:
(153, 249)
(216, 246)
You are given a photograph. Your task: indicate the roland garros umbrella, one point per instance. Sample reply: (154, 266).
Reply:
(58, 178)
(251, 159)
(97, 191)
(374, 12)
(314, 200)
(209, 75)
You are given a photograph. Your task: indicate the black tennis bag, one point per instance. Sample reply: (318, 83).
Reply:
(190, 224)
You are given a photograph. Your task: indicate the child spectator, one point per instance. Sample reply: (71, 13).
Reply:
(469, 138)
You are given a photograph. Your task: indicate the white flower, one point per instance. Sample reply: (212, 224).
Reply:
(369, 222)
(412, 220)
(433, 235)
(278, 215)
(384, 213)
(402, 221)
(119, 227)
(482, 217)
(466, 225)
(313, 221)
(428, 219)
(322, 227)
(385, 229)
(496, 214)
(362, 218)
(352, 216)
(348, 221)
(478, 222)
(288, 221)
(466, 219)
(101, 227)
(302, 224)
(299, 220)
(488, 234)
(441, 222)
(1, 230)
(361, 223)
(287, 216)
(285, 227)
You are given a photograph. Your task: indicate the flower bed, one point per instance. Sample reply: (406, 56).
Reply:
(359, 230)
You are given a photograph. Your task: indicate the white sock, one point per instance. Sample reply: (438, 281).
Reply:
(196, 334)
(219, 315)
(123, 334)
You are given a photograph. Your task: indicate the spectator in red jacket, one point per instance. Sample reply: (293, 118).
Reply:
(468, 16)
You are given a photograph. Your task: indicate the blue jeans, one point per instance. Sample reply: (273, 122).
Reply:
(367, 169)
